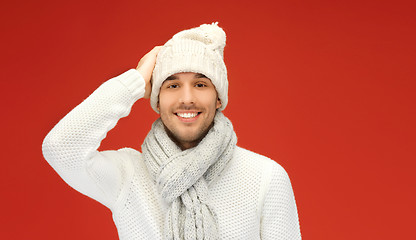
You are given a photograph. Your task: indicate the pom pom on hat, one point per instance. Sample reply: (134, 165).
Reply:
(198, 50)
(210, 34)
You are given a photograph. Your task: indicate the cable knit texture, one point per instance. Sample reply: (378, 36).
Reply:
(183, 177)
(252, 197)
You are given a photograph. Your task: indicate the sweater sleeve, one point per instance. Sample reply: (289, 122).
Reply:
(71, 146)
(280, 217)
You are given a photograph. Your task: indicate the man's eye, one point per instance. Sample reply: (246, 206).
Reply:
(173, 86)
(201, 85)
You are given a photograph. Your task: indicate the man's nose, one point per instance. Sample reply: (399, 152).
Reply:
(187, 95)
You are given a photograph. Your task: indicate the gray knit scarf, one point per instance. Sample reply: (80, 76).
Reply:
(182, 177)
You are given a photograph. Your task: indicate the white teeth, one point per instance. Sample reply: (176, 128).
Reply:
(187, 115)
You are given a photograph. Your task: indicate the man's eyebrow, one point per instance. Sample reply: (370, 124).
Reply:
(200, 75)
(197, 75)
(171, 77)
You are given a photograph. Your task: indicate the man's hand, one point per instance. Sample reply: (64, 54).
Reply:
(145, 68)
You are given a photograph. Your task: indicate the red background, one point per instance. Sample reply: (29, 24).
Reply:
(325, 88)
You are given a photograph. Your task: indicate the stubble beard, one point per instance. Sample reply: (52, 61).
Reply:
(184, 143)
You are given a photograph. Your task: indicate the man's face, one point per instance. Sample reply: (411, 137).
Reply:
(187, 106)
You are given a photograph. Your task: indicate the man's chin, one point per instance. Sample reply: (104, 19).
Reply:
(183, 139)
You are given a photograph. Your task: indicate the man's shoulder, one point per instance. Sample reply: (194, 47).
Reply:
(245, 156)
(248, 163)
(125, 158)
(122, 154)
(130, 152)
(249, 173)
(262, 164)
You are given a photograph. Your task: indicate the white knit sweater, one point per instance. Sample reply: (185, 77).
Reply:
(253, 198)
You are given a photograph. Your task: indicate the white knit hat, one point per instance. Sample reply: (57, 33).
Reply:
(198, 50)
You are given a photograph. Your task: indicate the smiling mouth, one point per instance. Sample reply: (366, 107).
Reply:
(188, 115)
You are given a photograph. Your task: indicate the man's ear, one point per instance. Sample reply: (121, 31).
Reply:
(218, 103)
(158, 108)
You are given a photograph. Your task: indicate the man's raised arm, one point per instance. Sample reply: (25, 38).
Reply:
(71, 146)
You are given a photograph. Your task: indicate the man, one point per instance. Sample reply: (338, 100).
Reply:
(191, 181)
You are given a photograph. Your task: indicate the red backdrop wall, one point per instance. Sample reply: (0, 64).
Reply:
(325, 88)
